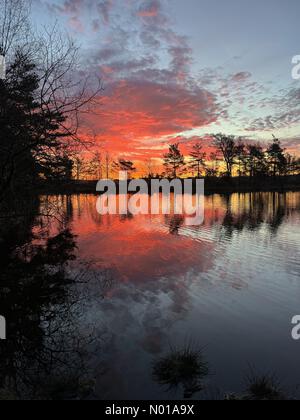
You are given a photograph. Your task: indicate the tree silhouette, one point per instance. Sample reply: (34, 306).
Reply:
(19, 122)
(277, 158)
(14, 23)
(255, 160)
(227, 146)
(174, 160)
(293, 164)
(124, 166)
(240, 154)
(40, 100)
(31, 144)
(197, 158)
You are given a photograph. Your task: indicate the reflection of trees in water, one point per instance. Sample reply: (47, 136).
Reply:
(251, 211)
(126, 217)
(236, 212)
(279, 211)
(46, 351)
(174, 222)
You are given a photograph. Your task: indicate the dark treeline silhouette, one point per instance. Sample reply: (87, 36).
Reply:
(33, 298)
(234, 166)
(231, 157)
(232, 154)
(46, 355)
(41, 100)
(43, 298)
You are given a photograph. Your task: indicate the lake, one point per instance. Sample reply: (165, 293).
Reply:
(141, 288)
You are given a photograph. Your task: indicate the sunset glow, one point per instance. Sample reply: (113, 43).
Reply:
(149, 203)
(172, 73)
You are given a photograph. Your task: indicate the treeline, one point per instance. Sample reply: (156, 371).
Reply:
(100, 165)
(42, 98)
(232, 156)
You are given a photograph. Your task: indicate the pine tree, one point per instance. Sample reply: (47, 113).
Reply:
(197, 158)
(18, 117)
(174, 160)
(277, 158)
(124, 166)
(31, 143)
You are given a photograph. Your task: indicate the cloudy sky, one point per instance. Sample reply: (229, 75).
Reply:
(179, 69)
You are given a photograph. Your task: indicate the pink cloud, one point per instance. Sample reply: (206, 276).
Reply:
(149, 8)
(136, 113)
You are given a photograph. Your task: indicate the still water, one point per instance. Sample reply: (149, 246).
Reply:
(140, 287)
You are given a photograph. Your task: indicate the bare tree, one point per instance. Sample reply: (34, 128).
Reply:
(79, 167)
(63, 87)
(107, 164)
(149, 168)
(240, 154)
(94, 167)
(63, 93)
(293, 164)
(14, 23)
(215, 161)
(227, 146)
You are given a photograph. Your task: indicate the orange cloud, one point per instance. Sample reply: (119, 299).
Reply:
(136, 116)
(150, 8)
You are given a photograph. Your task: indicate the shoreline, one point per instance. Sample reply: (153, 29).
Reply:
(212, 186)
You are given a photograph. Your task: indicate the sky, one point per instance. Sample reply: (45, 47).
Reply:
(177, 70)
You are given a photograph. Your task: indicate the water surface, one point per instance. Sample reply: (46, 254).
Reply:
(229, 287)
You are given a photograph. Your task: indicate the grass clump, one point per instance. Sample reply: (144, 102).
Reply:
(263, 387)
(184, 368)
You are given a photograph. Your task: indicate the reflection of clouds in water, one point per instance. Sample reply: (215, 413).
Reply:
(166, 274)
(141, 255)
(140, 319)
(145, 313)
(155, 269)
